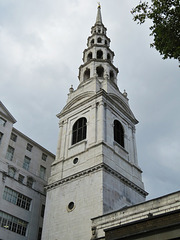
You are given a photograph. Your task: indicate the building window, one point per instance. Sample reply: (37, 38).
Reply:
(99, 54)
(92, 42)
(17, 198)
(10, 153)
(39, 233)
(89, 56)
(13, 137)
(42, 210)
(99, 40)
(87, 74)
(108, 56)
(13, 224)
(75, 161)
(26, 163)
(1, 136)
(29, 147)
(70, 206)
(11, 171)
(30, 182)
(79, 130)
(2, 122)
(111, 75)
(42, 172)
(118, 133)
(44, 156)
(100, 71)
(20, 178)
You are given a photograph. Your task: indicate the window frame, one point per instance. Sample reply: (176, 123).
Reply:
(1, 136)
(17, 198)
(119, 133)
(13, 137)
(42, 172)
(29, 147)
(26, 163)
(10, 153)
(79, 130)
(13, 223)
(2, 122)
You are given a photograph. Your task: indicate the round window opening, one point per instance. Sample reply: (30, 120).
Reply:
(71, 206)
(75, 161)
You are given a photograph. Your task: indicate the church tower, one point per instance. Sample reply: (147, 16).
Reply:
(96, 168)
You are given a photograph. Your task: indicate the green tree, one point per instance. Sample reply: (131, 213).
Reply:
(165, 16)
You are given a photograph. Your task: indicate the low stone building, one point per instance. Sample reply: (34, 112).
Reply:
(155, 219)
(24, 170)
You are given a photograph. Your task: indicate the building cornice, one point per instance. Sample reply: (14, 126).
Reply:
(14, 130)
(101, 166)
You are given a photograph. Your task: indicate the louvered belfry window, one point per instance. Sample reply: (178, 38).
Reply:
(79, 130)
(118, 133)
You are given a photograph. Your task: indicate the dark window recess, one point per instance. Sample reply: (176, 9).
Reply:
(71, 206)
(20, 178)
(87, 74)
(75, 161)
(111, 75)
(118, 133)
(89, 56)
(108, 56)
(44, 156)
(39, 233)
(99, 54)
(99, 40)
(13, 137)
(1, 136)
(29, 147)
(100, 71)
(92, 42)
(79, 130)
(42, 210)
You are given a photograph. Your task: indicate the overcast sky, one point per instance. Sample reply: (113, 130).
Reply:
(41, 45)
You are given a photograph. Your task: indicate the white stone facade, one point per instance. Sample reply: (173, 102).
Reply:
(96, 173)
(22, 195)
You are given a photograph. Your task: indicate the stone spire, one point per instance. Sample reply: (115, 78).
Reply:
(98, 57)
(99, 17)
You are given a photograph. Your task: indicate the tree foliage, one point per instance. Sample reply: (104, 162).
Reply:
(165, 16)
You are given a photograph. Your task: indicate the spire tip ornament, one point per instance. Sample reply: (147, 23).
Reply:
(99, 5)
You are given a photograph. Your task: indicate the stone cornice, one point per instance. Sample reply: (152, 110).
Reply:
(100, 93)
(99, 61)
(101, 166)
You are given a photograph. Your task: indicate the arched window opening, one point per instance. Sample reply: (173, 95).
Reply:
(92, 42)
(100, 71)
(105, 42)
(108, 56)
(11, 171)
(87, 74)
(111, 75)
(99, 54)
(99, 30)
(99, 40)
(79, 130)
(118, 133)
(30, 182)
(89, 56)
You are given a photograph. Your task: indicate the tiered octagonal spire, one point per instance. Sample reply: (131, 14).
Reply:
(98, 57)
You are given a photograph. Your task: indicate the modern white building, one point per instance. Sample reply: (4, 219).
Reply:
(96, 169)
(24, 170)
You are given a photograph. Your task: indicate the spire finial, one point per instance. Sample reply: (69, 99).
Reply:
(99, 18)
